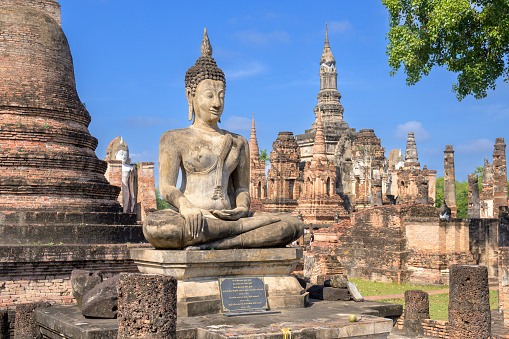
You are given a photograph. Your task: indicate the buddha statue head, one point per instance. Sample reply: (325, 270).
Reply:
(118, 150)
(205, 86)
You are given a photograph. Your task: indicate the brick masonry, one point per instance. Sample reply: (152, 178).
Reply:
(499, 176)
(47, 157)
(450, 180)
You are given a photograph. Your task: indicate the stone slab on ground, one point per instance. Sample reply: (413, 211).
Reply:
(323, 319)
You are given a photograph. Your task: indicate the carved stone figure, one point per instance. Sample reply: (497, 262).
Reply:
(122, 153)
(213, 201)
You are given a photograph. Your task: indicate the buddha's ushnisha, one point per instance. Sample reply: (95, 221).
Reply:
(213, 200)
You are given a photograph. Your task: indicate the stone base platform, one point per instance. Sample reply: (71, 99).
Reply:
(198, 272)
(323, 319)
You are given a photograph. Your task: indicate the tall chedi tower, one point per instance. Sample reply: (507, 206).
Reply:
(336, 130)
(337, 135)
(258, 180)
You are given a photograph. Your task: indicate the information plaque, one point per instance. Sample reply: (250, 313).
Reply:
(243, 295)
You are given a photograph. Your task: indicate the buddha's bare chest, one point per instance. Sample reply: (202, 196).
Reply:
(205, 156)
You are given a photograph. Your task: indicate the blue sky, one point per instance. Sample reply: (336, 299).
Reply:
(130, 58)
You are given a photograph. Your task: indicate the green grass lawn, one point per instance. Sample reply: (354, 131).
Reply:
(438, 303)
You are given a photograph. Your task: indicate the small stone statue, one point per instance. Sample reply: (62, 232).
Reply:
(336, 217)
(213, 201)
(444, 211)
(122, 153)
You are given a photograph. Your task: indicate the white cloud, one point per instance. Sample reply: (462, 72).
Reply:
(236, 123)
(246, 70)
(257, 38)
(145, 156)
(339, 26)
(482, 145)
(144, 121)
(411, 126)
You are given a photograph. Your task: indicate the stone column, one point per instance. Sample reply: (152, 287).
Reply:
(4, 323)
(416, 310)
(503, 283)
(469, 302)
(25, 323)
(450, 180)
(499, 177)
(147, 306)
(474, 207)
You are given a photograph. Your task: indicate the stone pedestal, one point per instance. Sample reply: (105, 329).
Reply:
(416, 310)
(198, 272)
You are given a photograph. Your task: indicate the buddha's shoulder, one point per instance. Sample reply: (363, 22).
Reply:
(237, 138)
(175, 135)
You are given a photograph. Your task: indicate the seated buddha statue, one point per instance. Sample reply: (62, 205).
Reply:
(212, 204)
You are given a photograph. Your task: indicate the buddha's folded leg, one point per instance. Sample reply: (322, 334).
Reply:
(277, 234)
(166, 229)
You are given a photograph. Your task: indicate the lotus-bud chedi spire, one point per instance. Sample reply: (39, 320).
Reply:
(253, 143)
(411, 149)
(319, 146)
(327, 53)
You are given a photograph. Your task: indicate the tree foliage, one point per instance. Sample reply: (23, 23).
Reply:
(264, 156)
(461, 196)
(160, 202)
(468, 37)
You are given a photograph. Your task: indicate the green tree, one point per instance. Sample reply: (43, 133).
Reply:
(439, 192)
(160, 202)
(461, 196)
(264, 156)
(468, 37)
(462, 199)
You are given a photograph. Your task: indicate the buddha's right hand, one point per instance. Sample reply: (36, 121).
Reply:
(194, 220)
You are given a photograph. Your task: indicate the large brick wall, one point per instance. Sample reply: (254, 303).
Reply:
(403, 243)
(42, 273)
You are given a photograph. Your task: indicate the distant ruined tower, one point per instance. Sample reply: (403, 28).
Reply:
(258, 180)
(47, 158)
(450, 180)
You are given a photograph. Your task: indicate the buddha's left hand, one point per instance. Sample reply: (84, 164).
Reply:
(234, 214)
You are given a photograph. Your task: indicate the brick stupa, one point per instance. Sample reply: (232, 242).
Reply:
(47, 158)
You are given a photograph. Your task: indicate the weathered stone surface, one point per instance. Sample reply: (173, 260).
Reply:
(82, 282)
(194, 264)
(213, 209)
(449, 180)
(339, 281)
(416, 309)
(474, 207)
(102, 300)
(147, 306)
(328, 293)
(356, 296)
(25, 324)
(469, 304)
(4, 324)
(499, 176)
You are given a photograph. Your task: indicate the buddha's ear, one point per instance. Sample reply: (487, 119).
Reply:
(189, 96)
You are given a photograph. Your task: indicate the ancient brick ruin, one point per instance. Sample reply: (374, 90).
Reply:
(57, 210)
(363, 177)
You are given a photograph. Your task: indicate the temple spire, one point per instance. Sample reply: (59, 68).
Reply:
(254, 151)
(319, 146)
(327, 53)
(411, 150)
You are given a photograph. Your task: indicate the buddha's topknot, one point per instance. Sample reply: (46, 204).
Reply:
(204, 68)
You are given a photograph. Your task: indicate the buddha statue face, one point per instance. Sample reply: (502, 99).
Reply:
(121, 155)
(207, 101)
